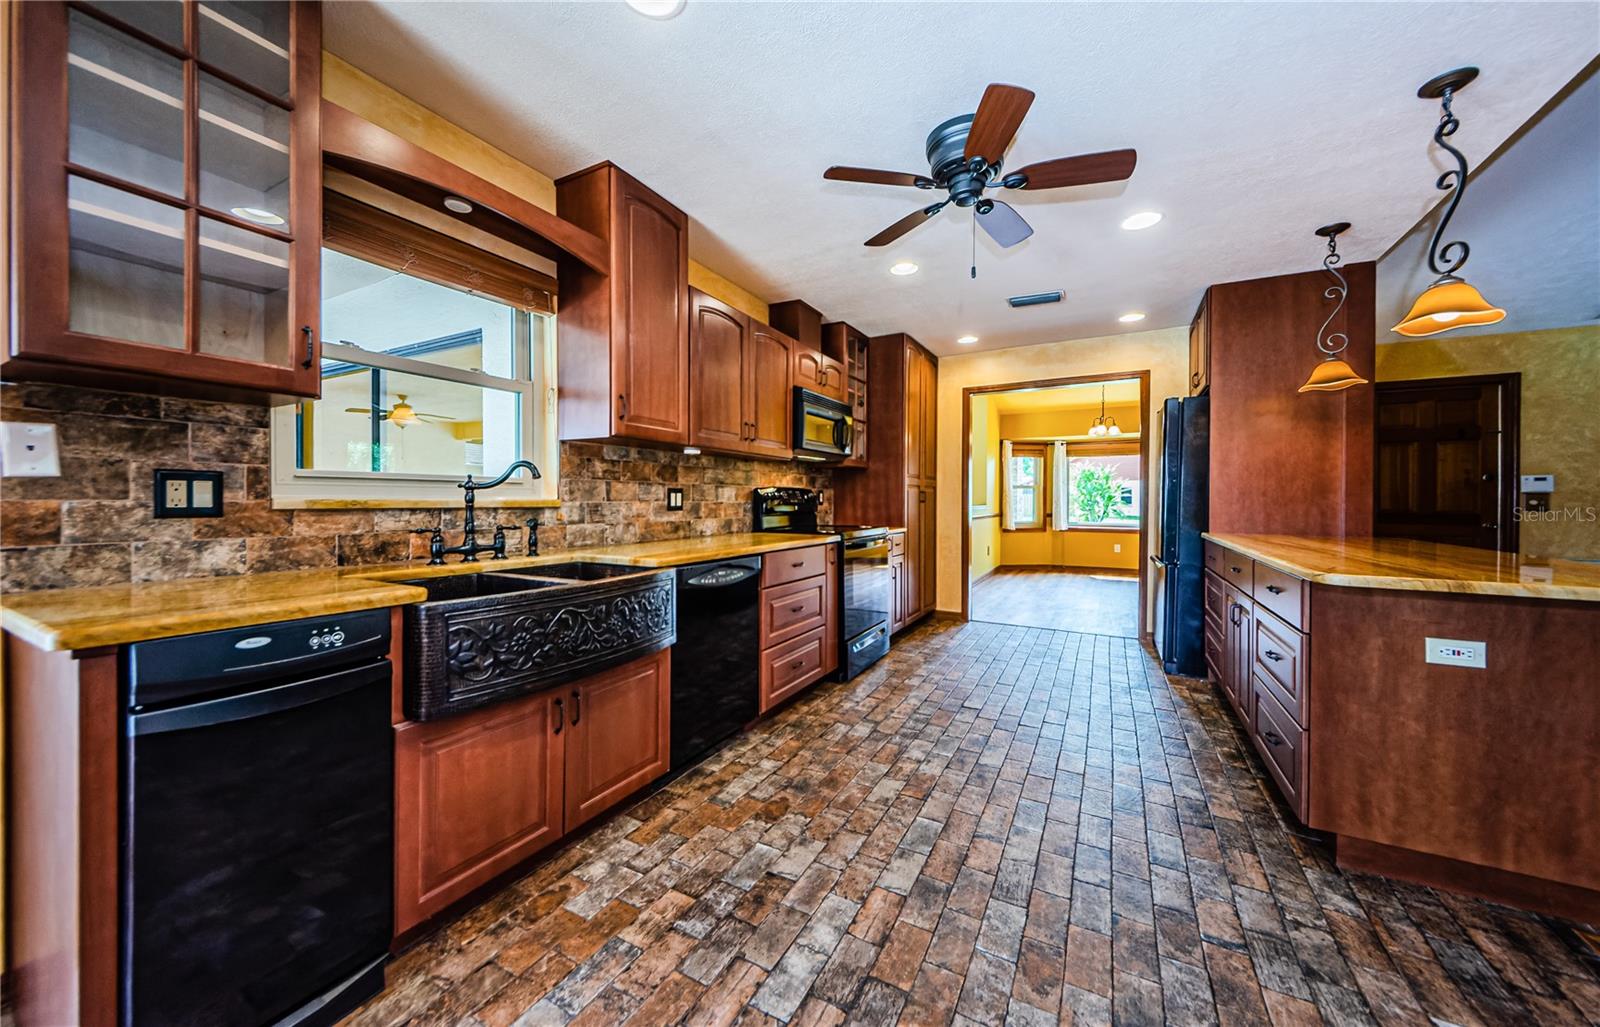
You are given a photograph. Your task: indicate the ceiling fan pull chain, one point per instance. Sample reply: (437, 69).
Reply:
(974, 244)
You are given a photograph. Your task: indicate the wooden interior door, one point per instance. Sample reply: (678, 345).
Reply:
(770, 404)
(1446, 460)
(650, 361)
(474, 796)
(718, 336)
(619, 735)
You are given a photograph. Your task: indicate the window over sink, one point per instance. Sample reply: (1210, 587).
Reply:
(431, 370)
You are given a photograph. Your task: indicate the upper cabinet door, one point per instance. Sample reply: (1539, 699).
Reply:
(167, 192)
(719, 341)
(650, 344)
(929, 451)
(1199, 352)
(770, 404)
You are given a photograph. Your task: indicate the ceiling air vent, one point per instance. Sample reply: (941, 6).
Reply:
(1036, 298)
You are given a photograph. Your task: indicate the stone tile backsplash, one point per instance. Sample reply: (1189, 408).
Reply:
(93, 525)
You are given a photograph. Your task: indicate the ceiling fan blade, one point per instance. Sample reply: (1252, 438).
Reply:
(1004, 225)
(358, 410)
(905, 224)
(1084, 169)
(1000, 113)
(872, 176)
(436, 417)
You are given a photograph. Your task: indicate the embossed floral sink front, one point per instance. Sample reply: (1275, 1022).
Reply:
(497, 635)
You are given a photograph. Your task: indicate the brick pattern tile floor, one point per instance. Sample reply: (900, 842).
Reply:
(994, 825)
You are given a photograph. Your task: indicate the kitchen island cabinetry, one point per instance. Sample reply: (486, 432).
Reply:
(1479, 776)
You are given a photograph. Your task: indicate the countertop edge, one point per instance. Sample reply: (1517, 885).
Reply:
(1408, 583)
(382, 590)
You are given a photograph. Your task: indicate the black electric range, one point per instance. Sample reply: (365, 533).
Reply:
(866, 579)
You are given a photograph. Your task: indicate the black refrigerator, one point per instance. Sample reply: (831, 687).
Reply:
(1180, 559)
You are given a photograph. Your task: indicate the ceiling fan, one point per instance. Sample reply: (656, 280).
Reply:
(401, 414)
(964, 158)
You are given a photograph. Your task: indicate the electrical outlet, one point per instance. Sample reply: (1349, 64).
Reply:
(1116, 547)
(185, 493)
(29, 450)
(1455, 652)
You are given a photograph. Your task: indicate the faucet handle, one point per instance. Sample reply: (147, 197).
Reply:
(435, 544)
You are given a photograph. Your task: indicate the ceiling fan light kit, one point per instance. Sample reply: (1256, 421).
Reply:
(1333, 373)
(1450, 302)
(965, 156)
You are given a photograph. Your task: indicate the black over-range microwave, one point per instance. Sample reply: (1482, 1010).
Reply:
(823, 427)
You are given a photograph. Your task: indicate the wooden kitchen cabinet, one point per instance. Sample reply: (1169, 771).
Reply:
(739, 394)
(620, 735)
(166, 190)
(816, 371)
(623, 338)
(799, 620)
(475, 795)
(849, 344)
(818, 366)
(899, 485)
(478, 793)
(897, 564)
(1199, 352)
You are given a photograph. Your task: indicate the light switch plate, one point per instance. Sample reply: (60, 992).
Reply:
(29, 450)
(674, 499)
(1456, 652)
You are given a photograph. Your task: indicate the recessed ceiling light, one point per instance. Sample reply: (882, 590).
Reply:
(656, 8)
(256, 214)
(1143, 219)
(1131, 317)
(905, 267)
(457, 205)
(967, 340)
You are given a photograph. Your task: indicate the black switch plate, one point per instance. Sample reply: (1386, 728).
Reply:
(674, 499)
(183, 493)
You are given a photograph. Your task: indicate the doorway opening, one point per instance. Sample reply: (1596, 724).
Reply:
(1055, 478)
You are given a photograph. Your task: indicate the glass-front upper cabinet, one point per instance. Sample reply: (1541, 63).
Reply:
(166, 192)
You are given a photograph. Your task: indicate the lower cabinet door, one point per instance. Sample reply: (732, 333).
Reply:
(475, 794)
(619, 734)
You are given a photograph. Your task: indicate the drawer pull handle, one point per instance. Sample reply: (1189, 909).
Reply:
(561, 716)
(797, 664)
(798, 564)
(1238, 570)
(1273, 655)
(796, 609)
(1275, 590)
(1272, 737)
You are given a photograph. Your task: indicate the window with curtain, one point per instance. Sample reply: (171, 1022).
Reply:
(437, 362)
(1105, 489)
(1026, 485)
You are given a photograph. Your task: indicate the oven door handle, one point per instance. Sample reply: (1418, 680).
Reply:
(259, 703)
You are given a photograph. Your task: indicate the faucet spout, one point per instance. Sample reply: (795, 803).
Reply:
(515, 466)
(469, 547)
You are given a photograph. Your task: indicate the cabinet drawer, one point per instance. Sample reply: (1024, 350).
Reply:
(793, 609)
(1283, 594)
(793, 565)
(1239, 571)
(1213, 557)
(789, 667)
(1282, 744)
(1216, 646)
(897, 544)
(1216, 599)
(1280, 660)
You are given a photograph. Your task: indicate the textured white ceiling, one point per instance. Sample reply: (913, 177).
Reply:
(1532, 219)
(1255, 123)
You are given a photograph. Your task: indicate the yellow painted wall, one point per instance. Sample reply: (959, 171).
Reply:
(1075, 548)
(984, 508)
(987, 544)
(1163, 352)
(1033, 424)
(356, 91)
(1560, 370)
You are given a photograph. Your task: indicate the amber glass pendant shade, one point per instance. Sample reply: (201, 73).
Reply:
(1446, 304)
(1331, 375)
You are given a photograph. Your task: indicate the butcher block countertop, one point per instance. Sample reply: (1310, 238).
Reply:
(88, 618)
(1413, 566)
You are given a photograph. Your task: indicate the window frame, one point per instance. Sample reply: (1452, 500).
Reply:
(1103, 449)
(1041, 487)
(294, 487)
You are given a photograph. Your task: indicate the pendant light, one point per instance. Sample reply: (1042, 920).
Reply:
(1104, 425)
(1450, 302)
(1333, 373)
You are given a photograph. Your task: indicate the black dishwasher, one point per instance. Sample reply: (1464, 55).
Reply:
(257, 823)
(716, 687)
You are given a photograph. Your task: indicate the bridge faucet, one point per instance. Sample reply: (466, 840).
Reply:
(470, 547)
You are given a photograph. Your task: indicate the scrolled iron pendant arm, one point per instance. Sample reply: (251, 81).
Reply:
(1448, 259)
(1337, 291)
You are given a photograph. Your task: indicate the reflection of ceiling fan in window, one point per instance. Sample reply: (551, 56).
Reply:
(401, 414)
